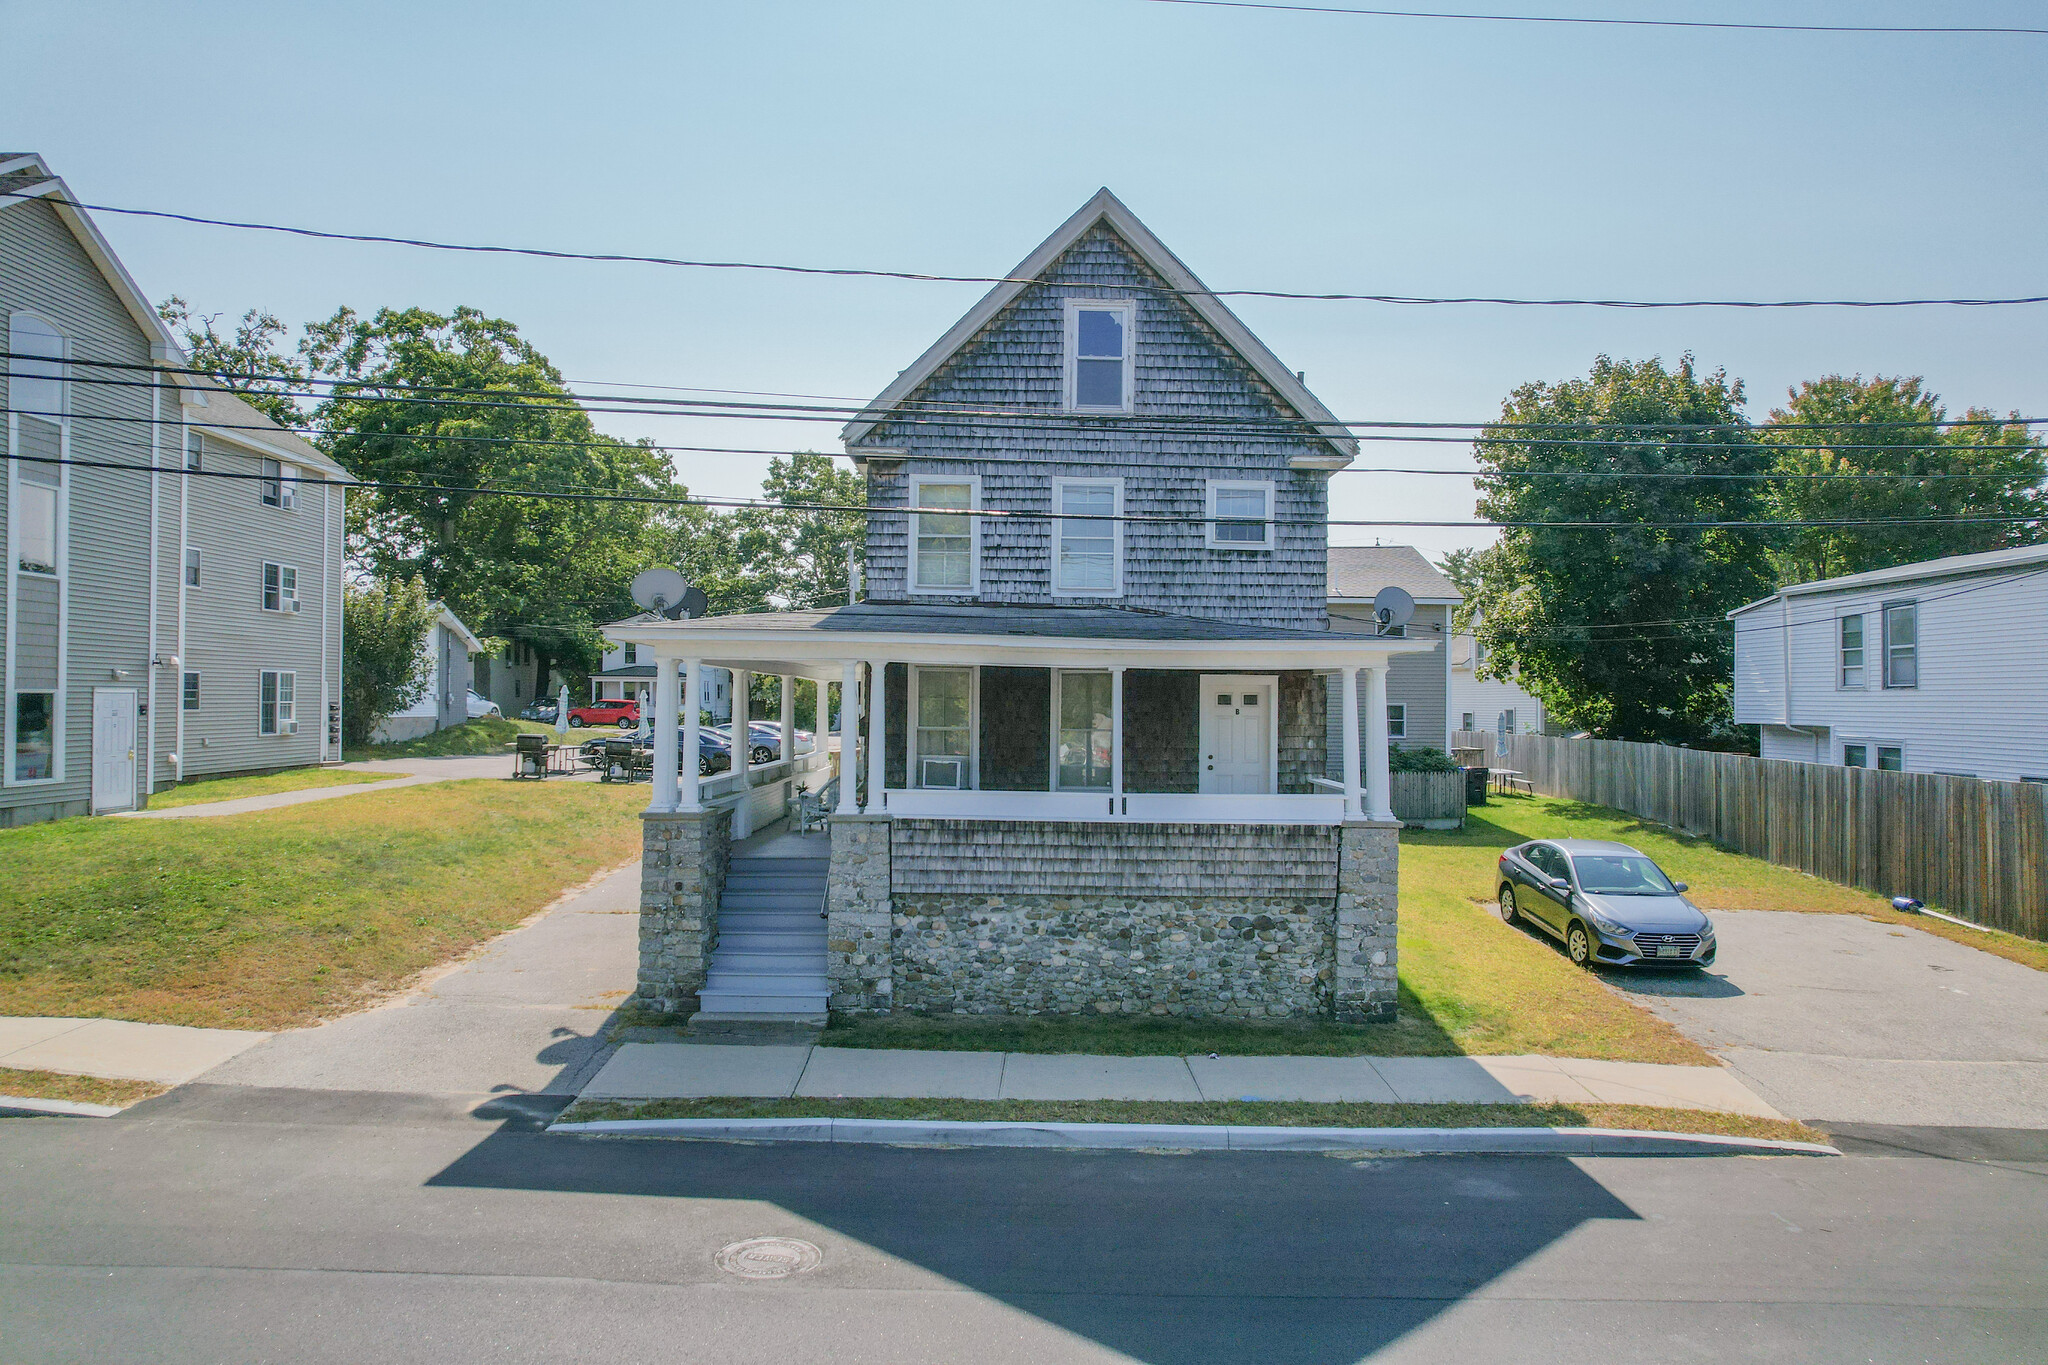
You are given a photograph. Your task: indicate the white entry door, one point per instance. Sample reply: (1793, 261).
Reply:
(1237, 735)
(113, 748)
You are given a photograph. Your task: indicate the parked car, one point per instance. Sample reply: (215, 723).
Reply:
(1608, 902)
(542, 711)
(482, 706)
(623, 712)
(765, 739)
(770, 733)
(714, 752)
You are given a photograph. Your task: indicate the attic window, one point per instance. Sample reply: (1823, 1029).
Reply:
(1099, 356)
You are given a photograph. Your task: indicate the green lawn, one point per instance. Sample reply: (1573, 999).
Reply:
(282, 917)
(58, 1085)
(1290, 1114)
(486, 735)
(207, 789)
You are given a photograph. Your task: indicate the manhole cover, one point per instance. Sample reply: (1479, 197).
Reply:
(769, 1258)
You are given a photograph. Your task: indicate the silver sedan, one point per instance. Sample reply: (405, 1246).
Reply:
(1608, 902)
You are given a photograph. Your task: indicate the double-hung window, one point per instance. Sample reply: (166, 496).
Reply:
(190, 699)
(943, 709)
(1100, 357)
(1085, 737)
(945, 536)
(1901, 644)
(277, 712)
(39, 392)
(1088, 555)
(280, 587)
(191, 566)
(270, 488)
(192, 452)
(1397, 720)
(1240, 514)
(1850, 629)
(39, 491)
(632, 655)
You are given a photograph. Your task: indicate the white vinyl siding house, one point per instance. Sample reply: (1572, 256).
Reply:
(1491, 704)
(1418, 684)
(1928, 667)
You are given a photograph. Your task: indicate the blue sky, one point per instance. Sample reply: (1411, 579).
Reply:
(1289, 151)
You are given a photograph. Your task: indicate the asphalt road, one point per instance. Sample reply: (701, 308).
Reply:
(248, 1224)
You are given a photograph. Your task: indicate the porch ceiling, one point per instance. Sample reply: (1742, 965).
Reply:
(816, 642)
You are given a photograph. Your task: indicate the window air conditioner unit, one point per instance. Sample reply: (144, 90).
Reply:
(295, 604)
(291, 727)
(942, 772)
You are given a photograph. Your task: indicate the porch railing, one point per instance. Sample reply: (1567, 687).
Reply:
(1205, 809)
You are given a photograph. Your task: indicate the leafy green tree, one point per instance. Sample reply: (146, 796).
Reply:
(1618, 627)
(252, 350)
(1854, 426)
(385, 665)
(541, 572)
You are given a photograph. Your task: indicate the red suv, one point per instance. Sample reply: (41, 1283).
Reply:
(623, 712)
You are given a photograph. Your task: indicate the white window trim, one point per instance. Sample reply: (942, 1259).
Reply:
(1052, 761)
(8, 690)
(192, 553)
(1884, 632)
(1871, 746)
(1394, 707)
(1239, 682)
(287, 487)
(283, 597)
(201, 675)
(277, 729)
(1071, 348)
(195, 452)
(911, 774)
(917, 485)
(1213, 486)
(1116, 537)
(1841, 616)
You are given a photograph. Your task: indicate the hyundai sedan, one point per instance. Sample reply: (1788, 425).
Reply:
(1609, 903)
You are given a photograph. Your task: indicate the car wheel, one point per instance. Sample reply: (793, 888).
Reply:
(704, 768)
(1579, 944)
(761, 753)
(576, 722)
(1510, 913)
(627, 722)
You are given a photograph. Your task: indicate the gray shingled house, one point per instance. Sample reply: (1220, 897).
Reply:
(1419, 684)
(1091, 679)
(172, 599)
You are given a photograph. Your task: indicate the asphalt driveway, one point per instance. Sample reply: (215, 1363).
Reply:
(1837, 1018)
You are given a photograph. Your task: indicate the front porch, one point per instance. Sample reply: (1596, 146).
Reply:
(1059, 810)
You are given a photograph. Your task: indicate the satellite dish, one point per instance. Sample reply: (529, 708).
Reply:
(693, 604)
(1393, 608)
(658, 589)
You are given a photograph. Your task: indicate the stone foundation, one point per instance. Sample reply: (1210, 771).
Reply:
(683, 858)
(858, 961)
(1368, 891)
(1247, 956)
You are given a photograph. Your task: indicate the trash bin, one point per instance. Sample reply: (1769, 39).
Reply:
(1475, 785)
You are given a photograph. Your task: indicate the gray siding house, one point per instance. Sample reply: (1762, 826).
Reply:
(1419, 684)
(172, 594)
(1083, 768)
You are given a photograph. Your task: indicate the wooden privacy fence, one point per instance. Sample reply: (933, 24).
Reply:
(1434, 797)
(1972, 848)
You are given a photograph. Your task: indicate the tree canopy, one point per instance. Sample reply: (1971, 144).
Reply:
(1860, 426)
(1618, 627)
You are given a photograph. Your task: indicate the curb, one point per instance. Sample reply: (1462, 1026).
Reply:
(20, 1104)
(1215, 1137)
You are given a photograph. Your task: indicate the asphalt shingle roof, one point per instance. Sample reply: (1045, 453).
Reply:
(1360, 571)
(1072, 623)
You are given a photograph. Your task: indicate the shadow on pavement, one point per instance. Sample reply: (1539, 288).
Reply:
(1280, 1259)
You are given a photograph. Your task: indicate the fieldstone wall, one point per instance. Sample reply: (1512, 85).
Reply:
(1027, 918)
(857, 950)
(1368, 889)
(683, 859)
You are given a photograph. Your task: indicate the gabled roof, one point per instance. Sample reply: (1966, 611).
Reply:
(1952, 566)
(227, 417)
(1107, 208)
(1358, 572)
(453, 623)
(25, 176)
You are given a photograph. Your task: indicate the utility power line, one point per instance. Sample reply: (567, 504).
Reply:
(927, 277)
(1617, 23)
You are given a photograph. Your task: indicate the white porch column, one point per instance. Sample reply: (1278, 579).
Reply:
(742, 750)
(788, 718)
(1116, 739)
(692, 794)
(1378, 787)
(665, 702)
(1348, 753)
(849, 736)
(878, 747)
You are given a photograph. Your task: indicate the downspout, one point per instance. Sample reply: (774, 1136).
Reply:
(326, 603)
(184, 543)
(156, 426)
(1785, 644)
(340, 647)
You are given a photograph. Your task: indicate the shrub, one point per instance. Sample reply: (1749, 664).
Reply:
(1421, 759)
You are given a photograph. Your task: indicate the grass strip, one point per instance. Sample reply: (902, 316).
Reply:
(484, 735)
(56, 1085)
(201, 791)
(1302, 1114)
(276, 919)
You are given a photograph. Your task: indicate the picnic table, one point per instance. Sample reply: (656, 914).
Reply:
(1507, 780)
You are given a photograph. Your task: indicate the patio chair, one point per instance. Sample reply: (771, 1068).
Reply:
(812, 810)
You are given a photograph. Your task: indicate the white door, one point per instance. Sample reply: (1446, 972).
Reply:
(1237, 736)
(113, 748)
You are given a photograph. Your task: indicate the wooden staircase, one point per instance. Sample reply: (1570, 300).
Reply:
(769, 965)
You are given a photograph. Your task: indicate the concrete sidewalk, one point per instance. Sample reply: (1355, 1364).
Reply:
(118, 1050)
(692, 1070)
(405, 772)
